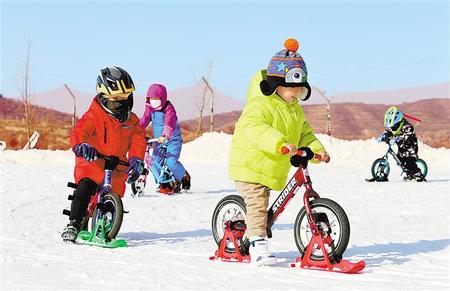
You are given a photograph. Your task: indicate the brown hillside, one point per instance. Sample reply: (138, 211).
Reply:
(53, 126)
(361, 121)
(349, 121)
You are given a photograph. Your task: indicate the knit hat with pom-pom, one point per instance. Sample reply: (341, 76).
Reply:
(288, 69)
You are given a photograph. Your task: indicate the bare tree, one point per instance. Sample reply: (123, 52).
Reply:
(203, 101)
(211, 117)
(23, 84)
(328, 101)
(74, 116)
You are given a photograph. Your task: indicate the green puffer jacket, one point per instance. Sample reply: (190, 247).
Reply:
(266, 124)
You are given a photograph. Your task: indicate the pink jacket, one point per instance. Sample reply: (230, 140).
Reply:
(158, 91)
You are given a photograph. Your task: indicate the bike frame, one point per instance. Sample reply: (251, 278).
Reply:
(158, 171)
(391, 152)
(301, 177)
(111, 162)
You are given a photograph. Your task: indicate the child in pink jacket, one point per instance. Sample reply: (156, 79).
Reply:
(161, 113)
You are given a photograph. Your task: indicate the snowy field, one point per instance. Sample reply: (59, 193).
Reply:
(401, 230)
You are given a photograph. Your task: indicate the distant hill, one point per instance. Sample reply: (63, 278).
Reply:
(53, 126)
(349, 121)
(186, 101)
(361, 121)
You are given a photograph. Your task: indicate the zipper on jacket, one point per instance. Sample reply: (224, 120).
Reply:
(104, 133)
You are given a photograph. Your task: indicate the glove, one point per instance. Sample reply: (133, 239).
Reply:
(86, 151)
(381, 138)
(393, 141)
(135, 169)
(297, 160)
(162, 139)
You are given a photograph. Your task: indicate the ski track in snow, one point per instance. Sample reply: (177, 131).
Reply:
(401, 230)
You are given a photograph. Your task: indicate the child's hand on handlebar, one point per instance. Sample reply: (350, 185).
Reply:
(289, 149)
(162, 139)
(325, 156)
(86, 151)
(135, 169)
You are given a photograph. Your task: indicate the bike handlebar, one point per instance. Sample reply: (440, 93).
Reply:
(285, 151)
(149, 141)
(112, 158)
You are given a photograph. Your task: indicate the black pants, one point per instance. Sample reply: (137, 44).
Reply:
(409, 165)
(81, 197)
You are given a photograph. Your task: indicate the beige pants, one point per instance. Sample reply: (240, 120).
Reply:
(256, 197)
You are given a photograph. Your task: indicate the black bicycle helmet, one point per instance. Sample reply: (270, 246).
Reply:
(115, 92)
(114, 80)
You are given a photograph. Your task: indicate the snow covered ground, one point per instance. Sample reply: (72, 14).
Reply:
(401, 230)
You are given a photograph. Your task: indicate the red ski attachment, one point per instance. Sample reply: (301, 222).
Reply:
(234, 231)
(317, 242)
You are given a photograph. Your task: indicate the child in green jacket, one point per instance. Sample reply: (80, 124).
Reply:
(271, 119)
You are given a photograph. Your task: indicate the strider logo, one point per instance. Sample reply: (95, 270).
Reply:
(284, 194)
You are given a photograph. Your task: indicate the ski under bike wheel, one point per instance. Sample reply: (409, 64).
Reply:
(230, 208)
(422, 166)
(380, 168)
(334, 223)
(138, 186)
(112, 214)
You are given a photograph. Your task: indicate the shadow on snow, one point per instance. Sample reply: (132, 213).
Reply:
(142, 238)
(379, 254)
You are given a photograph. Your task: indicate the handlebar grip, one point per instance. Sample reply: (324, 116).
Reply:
(150, 141)
(284, 150)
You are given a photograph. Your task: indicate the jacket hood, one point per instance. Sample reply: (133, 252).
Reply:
(157, 91)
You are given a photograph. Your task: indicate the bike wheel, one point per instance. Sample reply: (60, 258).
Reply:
(138, 186)
(231, 208)
(337, 227)
(112, 213)
(422, 166)
(380, 168)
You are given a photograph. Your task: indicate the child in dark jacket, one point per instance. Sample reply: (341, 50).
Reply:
(400, 131)
(163, 116)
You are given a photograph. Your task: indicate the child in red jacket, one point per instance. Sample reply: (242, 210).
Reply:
(110, 128)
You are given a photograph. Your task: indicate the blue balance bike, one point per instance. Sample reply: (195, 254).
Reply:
(161, 173)
(380, 167)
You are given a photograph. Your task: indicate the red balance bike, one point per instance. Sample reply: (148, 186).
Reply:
(321, 229)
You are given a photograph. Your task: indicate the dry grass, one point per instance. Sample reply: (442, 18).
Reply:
(350, 121)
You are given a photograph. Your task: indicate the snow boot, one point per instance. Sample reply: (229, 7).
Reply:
(176, 186)
(419, 177)
(166, 188)
(378, 179)
(70, 233)
(408, 178)
(186, 181)
(259, 252)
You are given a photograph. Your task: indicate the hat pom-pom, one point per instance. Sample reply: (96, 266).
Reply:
(291, 44)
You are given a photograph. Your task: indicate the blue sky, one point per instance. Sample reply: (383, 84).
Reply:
(347, 46)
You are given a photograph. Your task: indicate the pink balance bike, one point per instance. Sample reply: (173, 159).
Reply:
(321, 229)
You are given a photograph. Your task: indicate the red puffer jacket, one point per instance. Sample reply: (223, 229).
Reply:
(109, 137)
